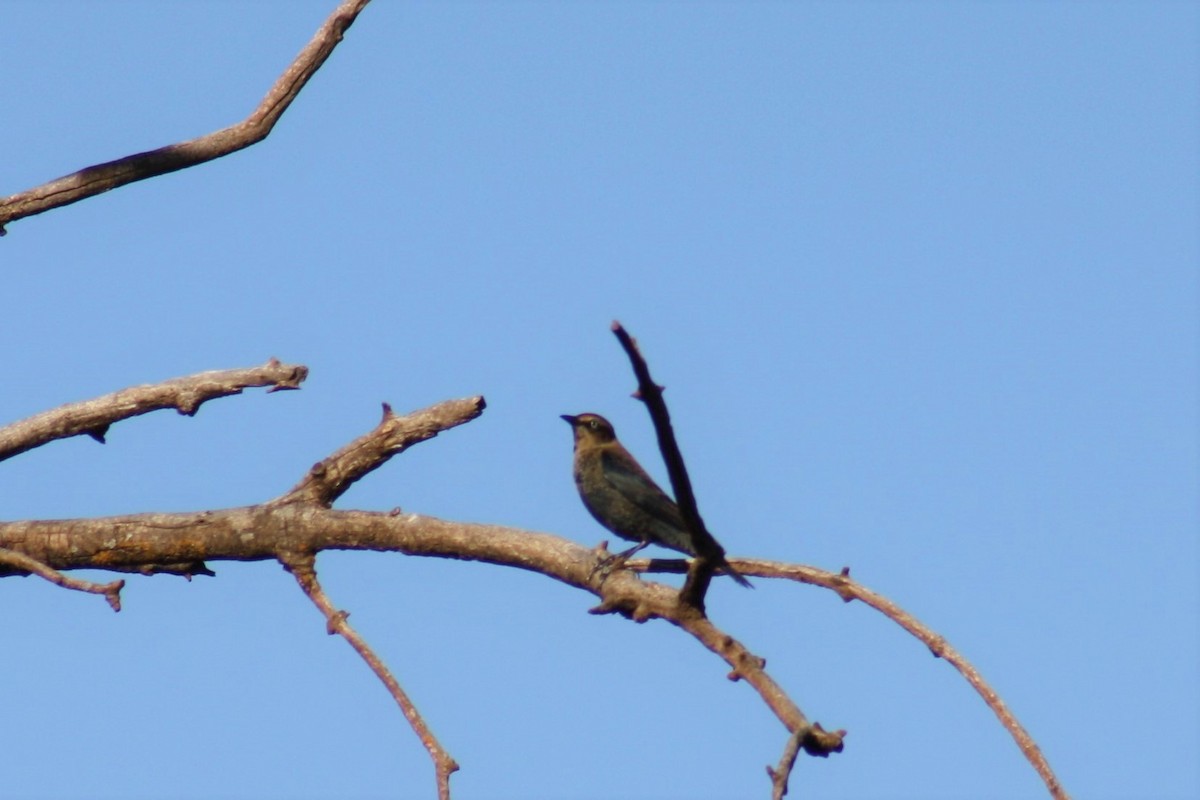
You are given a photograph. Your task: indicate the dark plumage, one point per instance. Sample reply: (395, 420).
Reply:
(621, 496)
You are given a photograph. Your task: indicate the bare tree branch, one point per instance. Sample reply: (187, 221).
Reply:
(330, 478)
(277, 531)
(103, 177)
(93, 417)
(850, 590)
(304, 569)
(710, 553)
(779, 775)
(299, 524)
(111, 591)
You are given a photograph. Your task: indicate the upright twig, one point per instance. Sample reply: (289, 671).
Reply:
(709, 551)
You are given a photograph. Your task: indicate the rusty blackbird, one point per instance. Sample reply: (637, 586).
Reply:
(622, 497)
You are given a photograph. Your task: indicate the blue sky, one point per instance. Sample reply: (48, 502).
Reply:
(921, 280)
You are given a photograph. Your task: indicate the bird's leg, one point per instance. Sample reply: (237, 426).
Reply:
(617, 560)
(625, 555)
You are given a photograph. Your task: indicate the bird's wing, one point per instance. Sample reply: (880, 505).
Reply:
(631, 481)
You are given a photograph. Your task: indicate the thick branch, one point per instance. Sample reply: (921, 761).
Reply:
(263, 532)
(103, 177)
(274, 530)
(93, 417)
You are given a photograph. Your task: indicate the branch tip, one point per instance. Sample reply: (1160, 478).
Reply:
(113, 595)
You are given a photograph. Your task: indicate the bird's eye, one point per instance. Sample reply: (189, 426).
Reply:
(594, 424)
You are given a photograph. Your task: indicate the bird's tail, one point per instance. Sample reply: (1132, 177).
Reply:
(737, 576)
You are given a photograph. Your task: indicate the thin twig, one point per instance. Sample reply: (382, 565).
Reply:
(103, 177)
(93, 417)
(111, 591)
(303, 567)
(780, 774)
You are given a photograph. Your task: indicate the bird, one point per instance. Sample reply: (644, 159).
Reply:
(622, 497)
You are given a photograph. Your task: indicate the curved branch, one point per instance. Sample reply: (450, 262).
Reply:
(103, 177)
(93, 417)
(275, 530)
(263, 532)
(850, 590)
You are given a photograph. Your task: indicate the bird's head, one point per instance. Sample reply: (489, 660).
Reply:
(591, 429)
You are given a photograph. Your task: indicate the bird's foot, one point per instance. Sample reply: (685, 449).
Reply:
(605, 566)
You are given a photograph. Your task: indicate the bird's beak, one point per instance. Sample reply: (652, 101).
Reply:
(570, 419)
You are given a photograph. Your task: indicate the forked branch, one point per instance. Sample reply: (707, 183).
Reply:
(294, 527)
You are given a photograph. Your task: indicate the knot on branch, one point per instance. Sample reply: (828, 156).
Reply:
(336, 622)
(630, 609)
(188, 402)
(842, 585)
(819, 742)
(747, 663)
